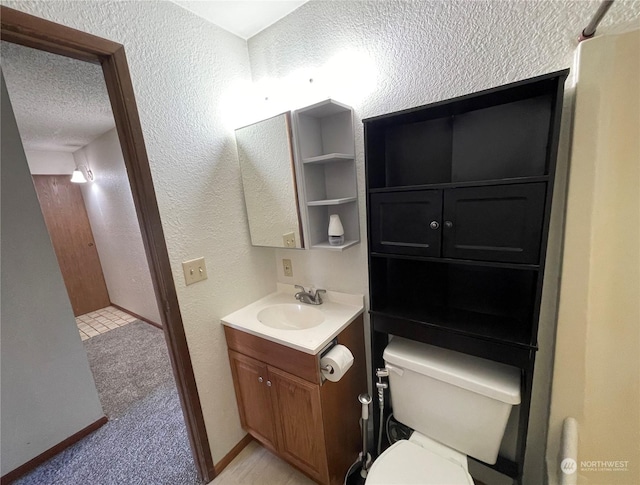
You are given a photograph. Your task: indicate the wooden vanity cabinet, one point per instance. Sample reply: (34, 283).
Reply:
(284, 404)
(250, 377)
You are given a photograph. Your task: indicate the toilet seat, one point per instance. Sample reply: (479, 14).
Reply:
(407, 463)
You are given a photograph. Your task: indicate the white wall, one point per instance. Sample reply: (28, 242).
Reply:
(596, 376)
(182, 69)
(115, 227)
(50, 163)
(423, 52)
(48, 392)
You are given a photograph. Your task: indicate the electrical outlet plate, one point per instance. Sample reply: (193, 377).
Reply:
(289, 240)
(194, 271)
(288, 268)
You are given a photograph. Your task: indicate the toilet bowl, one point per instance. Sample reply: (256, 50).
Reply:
(458, 406)
(419, 461)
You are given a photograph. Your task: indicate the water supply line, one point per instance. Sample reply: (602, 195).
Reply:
(591, 27)
(381, 386)
(365, 459)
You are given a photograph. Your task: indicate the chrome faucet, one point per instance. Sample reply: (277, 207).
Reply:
(312, 297)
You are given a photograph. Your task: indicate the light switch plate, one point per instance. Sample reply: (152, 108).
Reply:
(289, 240)
(288, 268)
(194, 271)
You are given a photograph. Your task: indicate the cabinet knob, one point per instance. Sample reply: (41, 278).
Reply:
(260, 379)
(434, 225)
(268, 383)
(448, 224)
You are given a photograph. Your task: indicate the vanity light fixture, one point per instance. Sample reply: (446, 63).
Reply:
(81, 175)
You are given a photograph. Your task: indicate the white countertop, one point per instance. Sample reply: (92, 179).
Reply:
(339, 310)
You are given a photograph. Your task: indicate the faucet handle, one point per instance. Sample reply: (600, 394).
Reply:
(301, 288)
(317, 295)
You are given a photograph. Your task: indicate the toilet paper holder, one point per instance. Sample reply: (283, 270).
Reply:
(327, 368)
(323, 352)
(335, 361)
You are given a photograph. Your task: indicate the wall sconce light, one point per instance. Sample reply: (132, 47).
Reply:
(82, 174)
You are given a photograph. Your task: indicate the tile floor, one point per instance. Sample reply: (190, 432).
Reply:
(101, 321)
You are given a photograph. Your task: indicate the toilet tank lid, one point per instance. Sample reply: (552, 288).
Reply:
(492, 379)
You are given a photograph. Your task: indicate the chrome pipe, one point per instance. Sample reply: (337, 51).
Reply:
(591, 27)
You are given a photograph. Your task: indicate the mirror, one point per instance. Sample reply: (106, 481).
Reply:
(265, 153)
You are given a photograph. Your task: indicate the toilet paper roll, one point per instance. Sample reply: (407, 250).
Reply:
(336, 363)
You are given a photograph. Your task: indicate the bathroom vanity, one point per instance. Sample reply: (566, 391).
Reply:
(283, 400)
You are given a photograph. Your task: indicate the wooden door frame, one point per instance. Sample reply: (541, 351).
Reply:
(27, 30)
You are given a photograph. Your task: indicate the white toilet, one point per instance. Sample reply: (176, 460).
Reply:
(458, 406)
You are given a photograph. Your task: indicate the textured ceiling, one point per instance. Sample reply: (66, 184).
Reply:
(60, 104)
(244, 18)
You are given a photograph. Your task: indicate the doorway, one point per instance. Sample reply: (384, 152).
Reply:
(30, 31)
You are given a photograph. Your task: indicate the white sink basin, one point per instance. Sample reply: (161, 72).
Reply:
(275, 317)
(290, 316)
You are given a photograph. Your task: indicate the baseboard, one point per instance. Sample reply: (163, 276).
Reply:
(139, 317)
(54, 450)
(235, 451)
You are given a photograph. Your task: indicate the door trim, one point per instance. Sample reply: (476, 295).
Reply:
(24, 29)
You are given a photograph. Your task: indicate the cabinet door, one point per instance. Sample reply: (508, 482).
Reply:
(494, 223)
(250, 378)
(299, 423)
(406, 222)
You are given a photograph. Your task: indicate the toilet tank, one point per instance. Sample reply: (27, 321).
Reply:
(459, 400)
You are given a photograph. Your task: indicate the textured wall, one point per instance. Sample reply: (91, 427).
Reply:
(48, 392)
(181, 68)
(596, 376)
(115, 227)
(424, 52)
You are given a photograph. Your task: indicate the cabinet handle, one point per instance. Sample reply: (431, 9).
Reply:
(268, 383)
(448, 224)
(434, 225)
(260, 379)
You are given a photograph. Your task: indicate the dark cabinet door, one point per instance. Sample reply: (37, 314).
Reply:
(406, 222)
(494, 223)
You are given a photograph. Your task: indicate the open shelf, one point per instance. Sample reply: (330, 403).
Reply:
(329, 158)
(342, 247)
(341, 200)
(325, 154)
(480, 325)
(485, 302)
(502, 141)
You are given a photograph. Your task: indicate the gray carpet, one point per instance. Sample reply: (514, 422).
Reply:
(145, 440)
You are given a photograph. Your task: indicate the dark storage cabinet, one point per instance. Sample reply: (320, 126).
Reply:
(458, 198)
(490, 223)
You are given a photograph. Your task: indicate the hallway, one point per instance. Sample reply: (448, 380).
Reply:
(145, 440)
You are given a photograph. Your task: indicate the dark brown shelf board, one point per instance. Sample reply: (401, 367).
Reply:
(517, 355)
(452, 185)
(466, 262)
(477, 325)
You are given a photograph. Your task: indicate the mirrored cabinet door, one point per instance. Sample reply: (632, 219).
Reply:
(267, 165)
